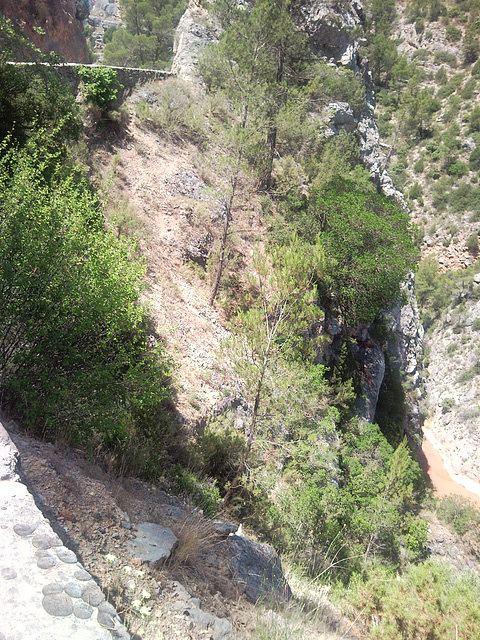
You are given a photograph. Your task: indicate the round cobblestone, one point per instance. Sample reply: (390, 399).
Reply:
(74, 589)
(44, 541)
(106, 620)
(65, 555)
(82, 610)
(82, 575)
(58, 604)
(93, 595)
(8, 573)
(45, 560)
(106, 607)
(52, 587)
(24, 529)
(121, 634)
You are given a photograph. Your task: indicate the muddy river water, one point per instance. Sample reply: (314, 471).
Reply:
(436, 465)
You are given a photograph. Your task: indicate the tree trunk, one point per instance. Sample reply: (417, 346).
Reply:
(266, 179)
(250, 440)
(223, 244)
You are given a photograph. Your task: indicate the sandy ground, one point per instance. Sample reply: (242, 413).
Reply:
(438, 468)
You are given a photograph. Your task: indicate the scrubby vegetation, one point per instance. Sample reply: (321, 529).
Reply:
(80, 359)
(147, 38)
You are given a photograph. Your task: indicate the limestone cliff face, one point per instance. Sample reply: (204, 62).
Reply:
(61, 20)
(453, 383)
(195, 31)
(329, 25)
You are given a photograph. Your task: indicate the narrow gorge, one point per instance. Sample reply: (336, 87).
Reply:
(238, 257)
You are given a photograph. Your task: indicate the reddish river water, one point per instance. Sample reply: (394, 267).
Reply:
(436, 465)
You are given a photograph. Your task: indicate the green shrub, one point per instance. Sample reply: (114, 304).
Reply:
(419, 25)
(471, 47)
(474, 159)
(203, 492)
(146, 36)
(217, 453)
(432, 289)
(361, 232)
(441, 76)
(476, 324)
(108, 33)
(465, 198)
(469, 374)
(415, 191)
(342, 85)
(457, 168)
(453, 33)
(475, 119)
(447, 58)
(33, 98)
(399, 174)
(447, 404)
(419, 166)
(429, 600)
(460, 513)
(175, 114)
(100, 86)
(472, 243)
(468, 89)
(79, 364)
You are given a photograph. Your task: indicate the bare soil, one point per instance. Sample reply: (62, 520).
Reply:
(95, 513)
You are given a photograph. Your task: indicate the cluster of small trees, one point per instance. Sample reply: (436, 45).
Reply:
(147, 39)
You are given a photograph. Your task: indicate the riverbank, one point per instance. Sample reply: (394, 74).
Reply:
(439, 470)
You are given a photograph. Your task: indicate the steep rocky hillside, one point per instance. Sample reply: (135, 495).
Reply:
(256, 197)
(54, 26)
(434, 163)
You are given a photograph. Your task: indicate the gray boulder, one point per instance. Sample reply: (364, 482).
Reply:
(256, 570)
(8, 457)
(152, 543)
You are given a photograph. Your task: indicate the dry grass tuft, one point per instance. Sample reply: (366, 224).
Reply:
(198, 557)
(196, 540)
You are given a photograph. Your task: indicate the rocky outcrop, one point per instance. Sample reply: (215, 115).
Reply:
(371, 359)
(216, 628)
(329, 24)
(52, 25)
(406, 346)
(152, 542)
(372, 155)
(195, 31)
(453, 386)
(256, 569)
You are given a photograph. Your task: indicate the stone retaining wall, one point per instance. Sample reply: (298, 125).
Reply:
(129, 77)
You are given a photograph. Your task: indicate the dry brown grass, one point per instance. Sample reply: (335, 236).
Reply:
(196, 539)
(199, 556)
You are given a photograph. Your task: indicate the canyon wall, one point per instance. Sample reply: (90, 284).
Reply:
(53, 25)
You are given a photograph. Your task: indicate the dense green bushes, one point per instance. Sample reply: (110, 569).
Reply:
(428, 601)
(34, 95)
(74, 351)
(362, 233)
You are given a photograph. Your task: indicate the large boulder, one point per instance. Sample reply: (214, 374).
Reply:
(256, 570)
